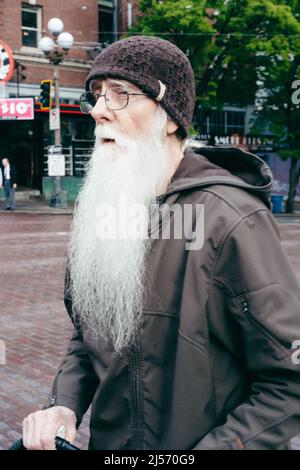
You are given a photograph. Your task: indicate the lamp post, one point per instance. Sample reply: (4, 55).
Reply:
(55, 48)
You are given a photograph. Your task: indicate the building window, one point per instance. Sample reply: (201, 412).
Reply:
(31, 25)
(216, 122)
(223, 122)
(106, 21)
(235, 122)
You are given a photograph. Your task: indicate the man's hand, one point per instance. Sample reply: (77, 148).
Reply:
(40, 428)
(14, 186)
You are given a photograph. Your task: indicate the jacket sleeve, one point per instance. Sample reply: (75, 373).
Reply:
(13, 176)
(76, 381)
(262, 299)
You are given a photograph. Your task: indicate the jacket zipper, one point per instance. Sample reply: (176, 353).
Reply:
(252, 319)
(136, 395)
(53, 400)
(245, 306)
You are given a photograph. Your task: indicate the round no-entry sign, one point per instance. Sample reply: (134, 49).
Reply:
(7, 63)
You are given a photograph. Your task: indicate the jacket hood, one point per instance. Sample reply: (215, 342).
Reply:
(229, 166)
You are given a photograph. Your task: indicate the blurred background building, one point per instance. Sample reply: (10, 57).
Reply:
(94, 24)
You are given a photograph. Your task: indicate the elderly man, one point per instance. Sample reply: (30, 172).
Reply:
(180, 342)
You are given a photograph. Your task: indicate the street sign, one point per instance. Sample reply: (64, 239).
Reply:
(7, 63)
(56, 165)
(55, 149)
(16, 108)
(54, 119)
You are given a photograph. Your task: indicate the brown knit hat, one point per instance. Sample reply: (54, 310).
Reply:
(155, 65)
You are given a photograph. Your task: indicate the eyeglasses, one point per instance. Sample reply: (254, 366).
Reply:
(115, 99)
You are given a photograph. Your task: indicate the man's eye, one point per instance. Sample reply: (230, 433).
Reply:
(120, 92)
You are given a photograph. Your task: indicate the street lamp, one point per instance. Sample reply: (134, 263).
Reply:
(55, 49)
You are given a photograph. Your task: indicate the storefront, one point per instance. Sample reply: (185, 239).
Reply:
(25, 143)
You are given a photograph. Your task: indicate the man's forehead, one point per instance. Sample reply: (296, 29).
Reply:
(98, 83)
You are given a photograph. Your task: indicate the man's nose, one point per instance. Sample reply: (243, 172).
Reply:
(100, 113)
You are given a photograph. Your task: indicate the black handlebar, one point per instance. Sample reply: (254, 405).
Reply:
(60, 444)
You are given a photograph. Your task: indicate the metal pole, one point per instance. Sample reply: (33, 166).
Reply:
(116, 19)
(56, 82)
(18, 80)
(57, 134)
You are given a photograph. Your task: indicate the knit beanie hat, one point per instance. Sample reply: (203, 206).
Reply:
(155, 65)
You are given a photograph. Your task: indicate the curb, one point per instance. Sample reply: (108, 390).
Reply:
(40, 210)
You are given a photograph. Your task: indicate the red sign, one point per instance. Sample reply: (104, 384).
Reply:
(16, 108)
(6, 63)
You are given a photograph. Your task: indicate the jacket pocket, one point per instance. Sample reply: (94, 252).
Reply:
(260, 327)
(265, 334)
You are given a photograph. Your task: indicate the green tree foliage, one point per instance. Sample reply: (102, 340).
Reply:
(243, 52)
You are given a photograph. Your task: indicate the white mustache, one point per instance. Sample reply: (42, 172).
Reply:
(106, 132)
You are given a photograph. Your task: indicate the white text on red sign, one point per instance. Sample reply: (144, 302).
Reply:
(16, 108)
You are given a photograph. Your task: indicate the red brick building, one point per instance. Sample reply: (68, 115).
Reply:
(94, 24)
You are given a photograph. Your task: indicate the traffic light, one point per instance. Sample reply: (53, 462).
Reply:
(46, 94)
(20, 68)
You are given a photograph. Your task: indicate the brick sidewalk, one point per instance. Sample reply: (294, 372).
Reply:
(33, 321)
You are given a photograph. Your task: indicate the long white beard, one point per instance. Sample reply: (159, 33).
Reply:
(107, 274)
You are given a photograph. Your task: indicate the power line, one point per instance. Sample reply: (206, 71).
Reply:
(166, 33)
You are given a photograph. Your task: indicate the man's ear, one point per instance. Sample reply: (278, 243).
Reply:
(171, 126)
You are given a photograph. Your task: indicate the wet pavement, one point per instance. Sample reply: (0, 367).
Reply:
(33, 321)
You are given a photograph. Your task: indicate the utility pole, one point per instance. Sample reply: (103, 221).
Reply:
(50, 47)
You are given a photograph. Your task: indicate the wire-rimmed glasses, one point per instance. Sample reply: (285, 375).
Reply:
(115, 99)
